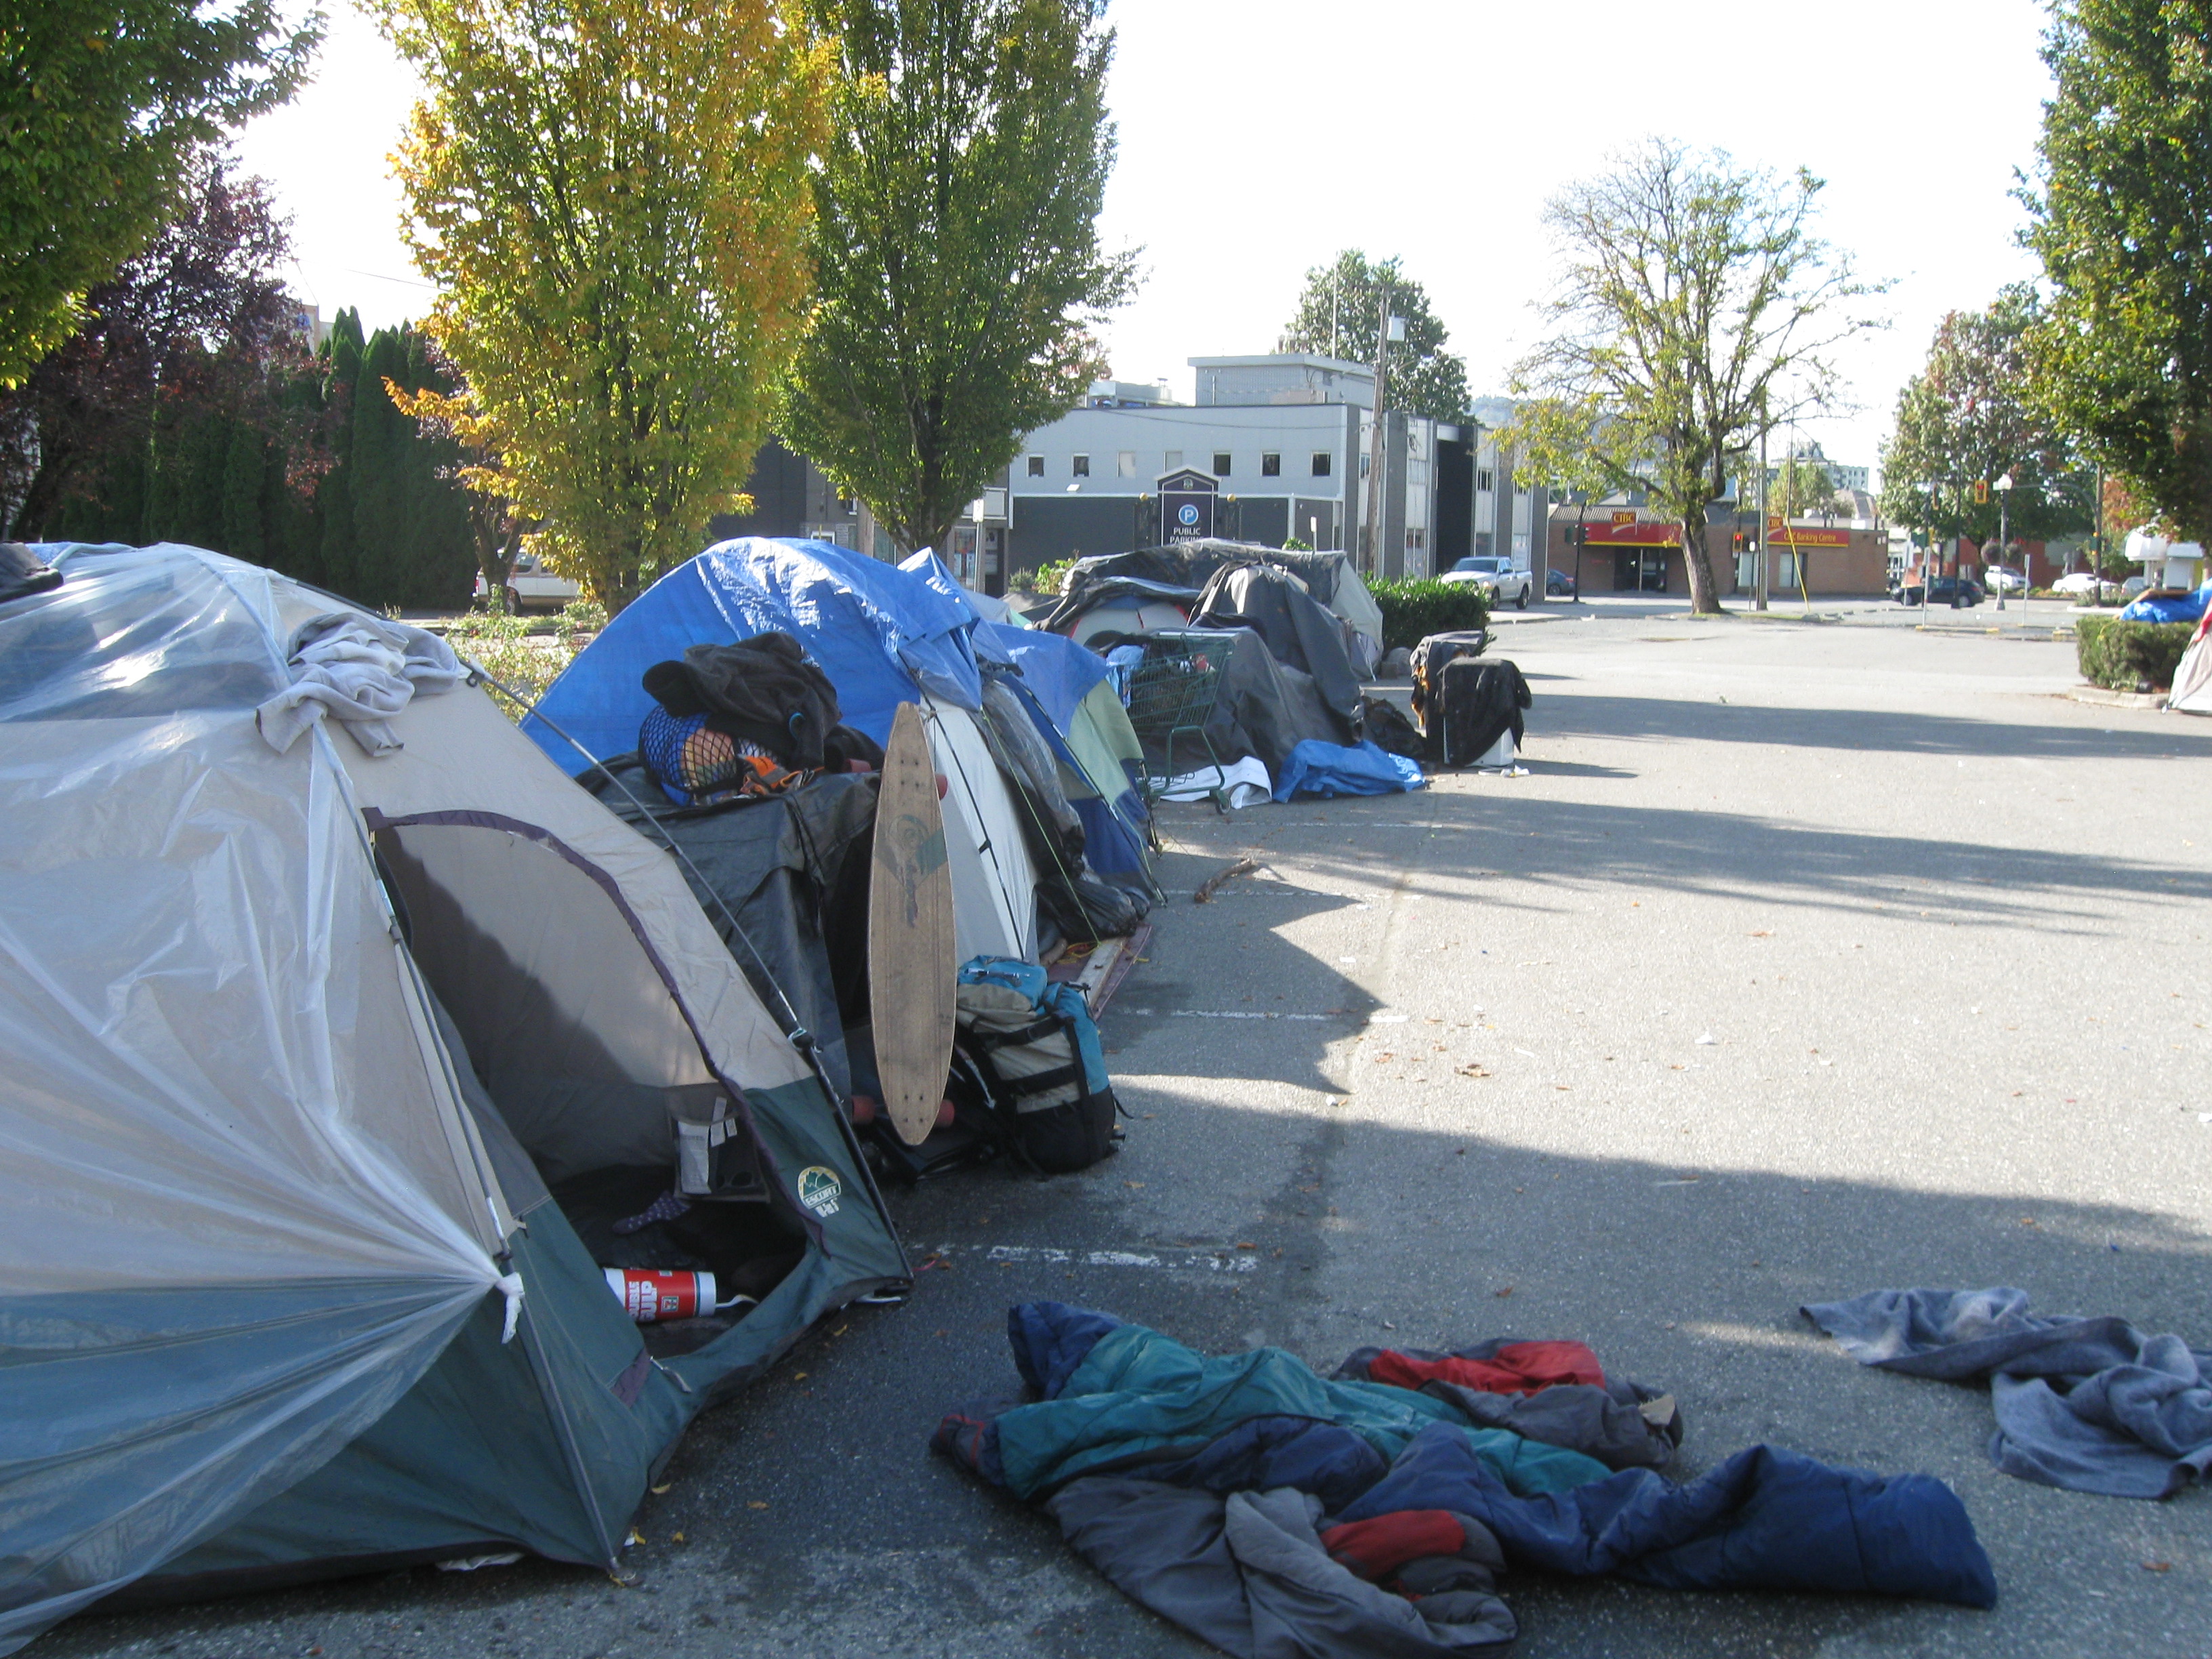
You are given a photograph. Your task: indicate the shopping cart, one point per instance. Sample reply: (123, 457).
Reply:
(1172, 697)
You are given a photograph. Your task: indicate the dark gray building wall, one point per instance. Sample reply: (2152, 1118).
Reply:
(1315, 519)
(1454, 486)
(778, 489)
(1050, 528)
(1263, 519)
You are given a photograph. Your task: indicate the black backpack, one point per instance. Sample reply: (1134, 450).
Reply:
(1032, 1048)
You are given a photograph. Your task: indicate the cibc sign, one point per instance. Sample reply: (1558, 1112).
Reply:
(1187, 498)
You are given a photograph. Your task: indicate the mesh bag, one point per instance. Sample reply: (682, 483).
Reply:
(688, 760)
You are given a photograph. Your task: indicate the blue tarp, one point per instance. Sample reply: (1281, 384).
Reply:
(2170, 607)
(1315, 767)
(877, 631)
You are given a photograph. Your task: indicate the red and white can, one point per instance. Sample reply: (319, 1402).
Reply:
(648, 1295)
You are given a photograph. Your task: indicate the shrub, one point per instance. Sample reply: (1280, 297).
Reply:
(523, 656)
(1046, 579)
(2130, 656)
(1412, 610)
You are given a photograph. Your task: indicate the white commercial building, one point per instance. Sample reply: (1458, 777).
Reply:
(1278, 447)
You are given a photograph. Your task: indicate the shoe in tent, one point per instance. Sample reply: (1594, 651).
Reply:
(327, 1077)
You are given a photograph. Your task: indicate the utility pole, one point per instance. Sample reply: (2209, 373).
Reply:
(1375, 443)
(1758, 569)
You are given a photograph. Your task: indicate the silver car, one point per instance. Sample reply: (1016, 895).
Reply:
(1498, 575)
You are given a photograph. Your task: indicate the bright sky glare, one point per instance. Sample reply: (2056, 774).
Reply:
(1260, 136)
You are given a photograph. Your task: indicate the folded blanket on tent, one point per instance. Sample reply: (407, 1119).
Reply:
(2091, 1405)
(361, 671)
(1763, 1520)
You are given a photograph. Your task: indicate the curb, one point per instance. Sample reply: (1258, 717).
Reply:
(2107, 699)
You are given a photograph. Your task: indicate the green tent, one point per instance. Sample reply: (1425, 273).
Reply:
(331, 1074)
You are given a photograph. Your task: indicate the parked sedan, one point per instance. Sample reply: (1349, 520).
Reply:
(2081, 585)
(1558, 584)
(1940, 592)
(1497, 574)
(2003, 578)
(530, 583)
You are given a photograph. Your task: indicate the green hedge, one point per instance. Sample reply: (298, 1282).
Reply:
(1413, 610)
(2128, 656)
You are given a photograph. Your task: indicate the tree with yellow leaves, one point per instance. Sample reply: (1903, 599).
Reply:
(613, 198)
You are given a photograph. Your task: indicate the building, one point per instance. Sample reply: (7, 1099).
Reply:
(1275, 448)
(1623, 545)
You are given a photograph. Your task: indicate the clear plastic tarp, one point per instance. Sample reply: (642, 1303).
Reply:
(240, 1212)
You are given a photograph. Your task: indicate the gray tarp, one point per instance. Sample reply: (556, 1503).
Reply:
(2092, 1404)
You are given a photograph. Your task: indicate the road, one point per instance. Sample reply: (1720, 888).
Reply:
(1806, 959)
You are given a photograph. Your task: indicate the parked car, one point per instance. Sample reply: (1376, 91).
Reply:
(1558, 584)
(2084, 584)
(529, 583)
(2003, 578)
(1498, 575)
(1940, 591)
(2133, 586)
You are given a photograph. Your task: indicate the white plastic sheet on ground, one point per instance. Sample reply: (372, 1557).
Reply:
(1246, 782)
(240, 1211)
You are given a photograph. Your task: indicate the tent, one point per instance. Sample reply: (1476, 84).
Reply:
(883, 636)
(1072, 703)
(2192, 676)
(323, 1070)
(1175, 575)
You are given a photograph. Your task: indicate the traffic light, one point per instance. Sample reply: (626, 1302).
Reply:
(1981, 492)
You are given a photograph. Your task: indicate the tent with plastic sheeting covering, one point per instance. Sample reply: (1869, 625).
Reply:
(328, 1075)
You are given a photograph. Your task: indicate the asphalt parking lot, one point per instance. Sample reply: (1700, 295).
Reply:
(1806, 959)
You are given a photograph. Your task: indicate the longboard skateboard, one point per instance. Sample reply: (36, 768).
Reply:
(912, 995)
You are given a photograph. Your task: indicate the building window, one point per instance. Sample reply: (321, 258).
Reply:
(1320, 463)
(1416, 540)
(1079, 467)
(1270, 466)
(1362, 466)
(1036, 466)
(1175, 461)
(1125, 464)
(1482, 478)
(1220, 464)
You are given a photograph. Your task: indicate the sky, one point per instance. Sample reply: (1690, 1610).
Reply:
(1258, 138)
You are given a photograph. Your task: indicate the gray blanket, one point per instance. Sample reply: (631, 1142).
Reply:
(1248, 1572)
(2091, 1405)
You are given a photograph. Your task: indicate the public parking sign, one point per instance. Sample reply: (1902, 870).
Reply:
(1187, 498)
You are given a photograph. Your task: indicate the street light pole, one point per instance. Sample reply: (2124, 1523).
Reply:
(1759, 565)
(2004, 504)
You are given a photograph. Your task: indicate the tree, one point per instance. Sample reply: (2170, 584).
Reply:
(1694, 303)
(109, 103)
(2122, 356)
(471, 458)
(1970, 416)
(613, 198)
(1802, 487)
(956, 242)
(1341, 311)
(196, 324)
